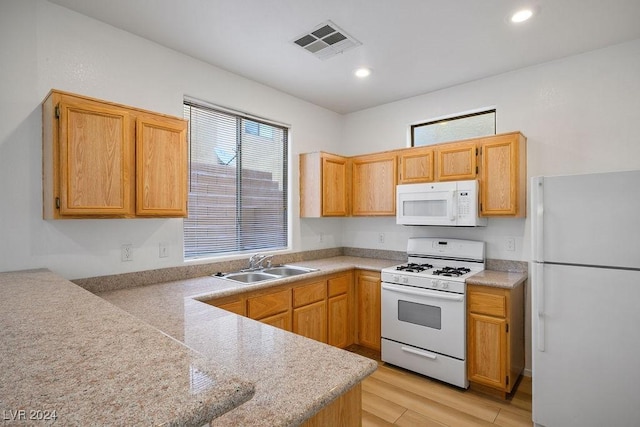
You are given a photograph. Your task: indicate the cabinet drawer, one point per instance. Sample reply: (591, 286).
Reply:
(339, 285)
(308, 294)
(236, 307)
(267, 305)
(489, 304)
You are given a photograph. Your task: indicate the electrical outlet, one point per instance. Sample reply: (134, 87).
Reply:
(381, 238)
(510, 244)
(163, 251)
(126, 252)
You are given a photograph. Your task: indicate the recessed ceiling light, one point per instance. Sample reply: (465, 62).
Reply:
(362, 72)
(521, 15)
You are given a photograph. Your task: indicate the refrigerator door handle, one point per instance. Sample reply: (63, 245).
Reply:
(537, 197)
(538, 280)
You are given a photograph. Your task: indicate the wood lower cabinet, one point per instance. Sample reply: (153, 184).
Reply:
(368, 308)
(324, 185)
(282, 320)
(374, 185)
(105, 160)
(310, 311)
(272, 308)
(416, 165)
(340, 311)
(503, 175)
(320, 309)
(237, 306)
(456, 161)
(495, 337)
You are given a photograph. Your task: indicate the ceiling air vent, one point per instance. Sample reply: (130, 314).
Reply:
(326, 40)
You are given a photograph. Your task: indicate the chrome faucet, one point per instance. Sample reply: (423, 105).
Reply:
(256, 261)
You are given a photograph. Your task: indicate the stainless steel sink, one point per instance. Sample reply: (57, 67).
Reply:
(287, 270)
(251, 277)
(270, 273)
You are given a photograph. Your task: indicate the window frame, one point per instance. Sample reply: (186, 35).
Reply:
(458, 116)
(242, 119)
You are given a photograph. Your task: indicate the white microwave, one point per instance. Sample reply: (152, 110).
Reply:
(453, 203)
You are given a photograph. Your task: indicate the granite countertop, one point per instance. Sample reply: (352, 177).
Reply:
(95, 362)
(294, 377)
(498, 279)
(69, 357)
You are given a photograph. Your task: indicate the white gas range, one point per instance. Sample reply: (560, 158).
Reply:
(424, 307)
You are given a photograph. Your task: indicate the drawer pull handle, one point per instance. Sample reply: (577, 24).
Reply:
(419, 353)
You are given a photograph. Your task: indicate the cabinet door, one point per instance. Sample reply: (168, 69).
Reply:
(368, 305)
(307, 294)
(456, 161)
(161, 178)
(282, 320)
(96, 159)
(311, 321)
(503, 175)
(416, 165)
(262, 306)
(334, 186)
(339, 334)
(374, 185)
(487, 350)
(236, 307)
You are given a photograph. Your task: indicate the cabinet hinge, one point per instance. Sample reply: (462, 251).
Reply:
(507, 328)
(507, 379)
(57, 111)
(476, 151)
(476, 170)
(57, 202)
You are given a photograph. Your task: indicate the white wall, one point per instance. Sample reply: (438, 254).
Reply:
(44, 46)
(579, 114)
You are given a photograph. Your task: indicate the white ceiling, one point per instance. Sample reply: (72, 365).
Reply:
(412, 46)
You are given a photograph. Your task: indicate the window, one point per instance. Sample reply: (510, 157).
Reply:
(454, 128)
(237, 183)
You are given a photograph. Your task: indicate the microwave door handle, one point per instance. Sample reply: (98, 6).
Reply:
(453, 206)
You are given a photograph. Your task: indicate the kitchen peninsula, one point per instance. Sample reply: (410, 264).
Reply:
(89, 361)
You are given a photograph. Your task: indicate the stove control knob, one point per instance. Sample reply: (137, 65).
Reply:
(434, 283)
(405, 279)
(396, 279)
(445, 285)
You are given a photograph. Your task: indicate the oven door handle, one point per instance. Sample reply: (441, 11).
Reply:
(423, 293)
(419, 353)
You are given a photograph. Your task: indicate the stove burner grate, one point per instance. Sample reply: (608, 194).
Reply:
(413, 267)
(451, 271)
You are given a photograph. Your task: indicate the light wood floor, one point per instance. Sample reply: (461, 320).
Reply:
(392, 396)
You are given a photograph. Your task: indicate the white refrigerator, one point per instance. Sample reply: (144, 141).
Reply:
(585, 276)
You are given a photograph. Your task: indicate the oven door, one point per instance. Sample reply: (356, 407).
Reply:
(431, 320)
(426, 204)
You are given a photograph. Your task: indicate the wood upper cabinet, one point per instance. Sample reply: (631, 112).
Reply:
(161, 162)
(416, 165)
(374, 184)
(495, 336)
(324, 185)
(456, 161)
(368, 308)
(503, 175)
(104, 160)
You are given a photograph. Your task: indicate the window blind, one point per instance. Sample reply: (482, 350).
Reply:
(237, 183)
